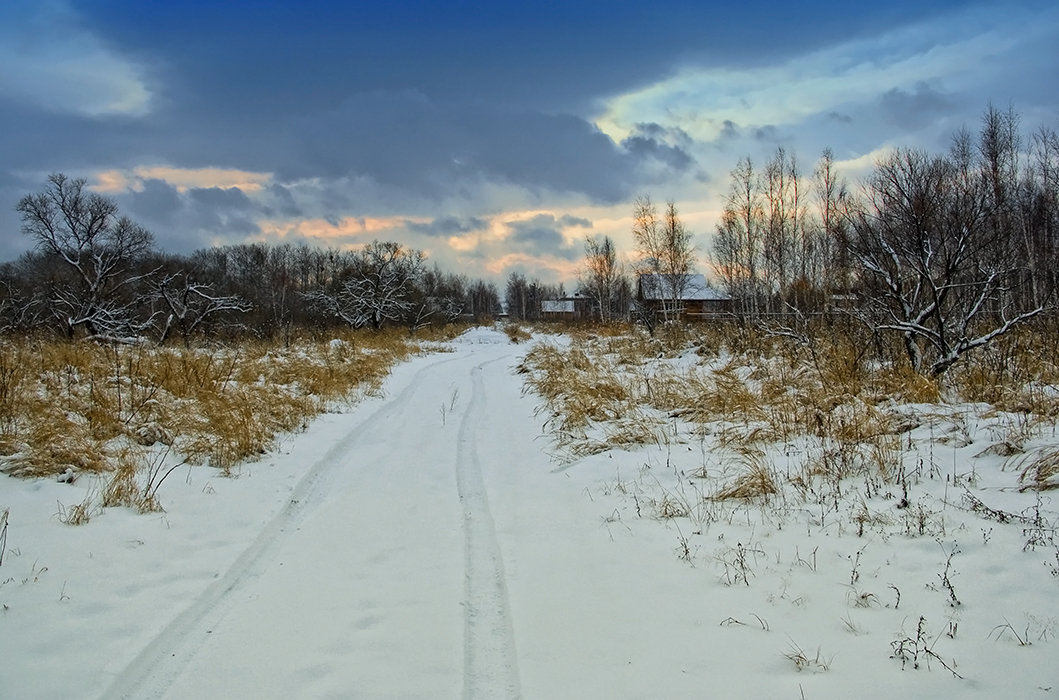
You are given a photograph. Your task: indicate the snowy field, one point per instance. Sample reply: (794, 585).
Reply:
(437, 542)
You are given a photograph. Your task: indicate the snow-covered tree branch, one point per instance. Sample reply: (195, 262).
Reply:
(379, 288)
(99, 249)
(934, 265)
(190, 304)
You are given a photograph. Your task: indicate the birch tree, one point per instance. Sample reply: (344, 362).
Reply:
(665, 250)
(738, 240)
(832, 245)
(601, 276)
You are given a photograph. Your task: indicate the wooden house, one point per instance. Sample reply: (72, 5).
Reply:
(570, 308)
(685, 297)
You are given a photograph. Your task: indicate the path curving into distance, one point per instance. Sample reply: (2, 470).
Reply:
(382, 577)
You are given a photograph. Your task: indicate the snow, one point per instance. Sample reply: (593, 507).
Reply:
(426, 544)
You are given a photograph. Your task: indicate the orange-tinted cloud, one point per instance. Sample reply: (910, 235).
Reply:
(346, 227)
(116, 181)
(546, 266)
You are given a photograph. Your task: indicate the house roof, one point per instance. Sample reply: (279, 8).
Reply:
(654, 287)
(558, 306)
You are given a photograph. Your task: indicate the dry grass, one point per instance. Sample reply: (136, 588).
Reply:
(516, 333)
(121, 488)
(80, 405)
(78, 513)
(1038, 469)
(577, 389)
(134, 483)
(755, 481)
(1017, 373)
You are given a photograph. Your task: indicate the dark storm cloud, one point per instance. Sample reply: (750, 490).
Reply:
(156, 199)
(448, 226)
(229, 198)
(914, 108)
(542, 235)
(404, 138)
(574, 221)
(227, 211)
(282, 203)
(840, 118)
(184, 221)
(665, 145)
(558, 56)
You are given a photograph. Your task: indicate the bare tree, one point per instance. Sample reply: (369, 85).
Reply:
(1041, 207)
(832, 247)
(737, 245)
(98, 246)
(191, 304)
(779, 222)
(602, 274)
(436, 298)
(517, 297)
(933, 267)
(19, 311)
(665, 252)
(380, 287)
(483, 301)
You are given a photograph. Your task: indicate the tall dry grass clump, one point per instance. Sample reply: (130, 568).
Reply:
(79, 405)
(1038, 469)
(756, 481)
(1018, 373)
(577, 389)
(516, 333)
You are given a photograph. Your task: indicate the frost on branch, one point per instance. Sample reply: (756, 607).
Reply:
(97, 252)
(379, 288)
(938, 255)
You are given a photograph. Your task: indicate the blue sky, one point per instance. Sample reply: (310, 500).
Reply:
(493, 135)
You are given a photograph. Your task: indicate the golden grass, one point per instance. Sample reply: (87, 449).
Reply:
(121, 489)
(516, 333)
(78, 405)
(755, 481)
(577, 389)
(77, 513)
(1039, 469)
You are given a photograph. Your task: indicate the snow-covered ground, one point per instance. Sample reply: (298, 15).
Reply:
(427, 545)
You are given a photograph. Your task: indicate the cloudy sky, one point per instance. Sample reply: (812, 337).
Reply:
(493, 135)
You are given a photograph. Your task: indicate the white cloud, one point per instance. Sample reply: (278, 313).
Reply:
(53, 62)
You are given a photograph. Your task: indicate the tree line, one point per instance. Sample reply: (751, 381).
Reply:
(947, 250)
(94, 273)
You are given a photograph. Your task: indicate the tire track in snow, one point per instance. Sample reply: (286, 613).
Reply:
(490, 661)
(151, 673)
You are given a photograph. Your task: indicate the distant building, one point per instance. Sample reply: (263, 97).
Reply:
(695, 298)
(571, 308)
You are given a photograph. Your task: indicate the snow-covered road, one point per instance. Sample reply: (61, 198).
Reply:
(383, 576)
